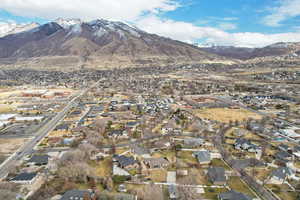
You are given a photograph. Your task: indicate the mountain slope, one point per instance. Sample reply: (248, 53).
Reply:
(278, 49)
(98, 42)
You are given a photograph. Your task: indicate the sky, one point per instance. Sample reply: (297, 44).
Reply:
(246, 23)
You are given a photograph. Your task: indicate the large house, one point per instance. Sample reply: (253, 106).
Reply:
(118, 134)
(78, 194)
(244, 144)
(217, 175)
(193, 142)
(24, 178)
(125, 162)
(156, 162)
(283, 157)
(139, 151)
(280, 175)
(203, 157)
(38, 160)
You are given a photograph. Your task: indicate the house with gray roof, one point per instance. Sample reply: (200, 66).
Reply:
(203, 157)
(233, 195)
(244, 144)
(24, 178)
(283, 157)
(125, 162)
(217, 175)
(280, 175)
(140, 151)
(78, 195)
(156, 162)
(296, 151)
(193, 142)
(38, 160)
(118, 134)
(244, 163)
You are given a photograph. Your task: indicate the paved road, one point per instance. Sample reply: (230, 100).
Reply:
(28, 148)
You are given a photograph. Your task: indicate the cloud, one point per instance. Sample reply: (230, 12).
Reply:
(190, 33)
(227, 26)
(124, 10)
(285, 10)
(146, 14)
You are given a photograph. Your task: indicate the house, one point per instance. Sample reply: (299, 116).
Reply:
(98, 156)
(283, 157)
(284, 147)
(193, 142)
(38, 160)
(24, 178)
(244, 144)
(203, 157)
(296, 151)
(132, 124)
(62, 128)
(280, 175)
(244, 163)
(140, 151)
(156, 162)
(256, 127)
(233, 195)
(160, 145)
(217, 175)
(118, 134)
(78, 194)
(125, 162)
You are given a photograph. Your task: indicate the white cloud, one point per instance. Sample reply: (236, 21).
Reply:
(227, 26)
(145, 14)
(285, 10)
(124, 10)
(188, 32)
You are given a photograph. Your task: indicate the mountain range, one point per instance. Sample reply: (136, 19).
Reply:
(278, 49)
(103, 43)
(95, 43)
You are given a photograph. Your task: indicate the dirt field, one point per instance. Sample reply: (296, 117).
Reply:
(4, 94)
(5, 108)
(226, 115)
(9, 146)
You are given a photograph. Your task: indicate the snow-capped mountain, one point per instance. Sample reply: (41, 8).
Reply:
(13, 28)
(66, 23)
(99, 41)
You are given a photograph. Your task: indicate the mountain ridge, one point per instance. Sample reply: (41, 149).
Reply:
(99, 41)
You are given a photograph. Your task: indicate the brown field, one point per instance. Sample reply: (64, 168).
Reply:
(5, 108)
(9, 146)
(226, 115)
(159, 175)
(104, 168)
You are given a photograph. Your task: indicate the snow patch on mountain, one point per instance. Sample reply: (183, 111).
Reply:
(67, 23)
(13, 28)
(100, 32)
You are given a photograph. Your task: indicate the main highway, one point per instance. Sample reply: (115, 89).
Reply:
(28, 148)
